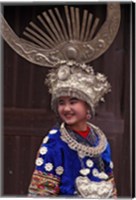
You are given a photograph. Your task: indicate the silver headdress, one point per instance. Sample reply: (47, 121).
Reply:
(78, 80)
(67, 44)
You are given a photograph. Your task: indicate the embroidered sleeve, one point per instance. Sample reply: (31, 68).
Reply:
(43, 184)
(48, 168)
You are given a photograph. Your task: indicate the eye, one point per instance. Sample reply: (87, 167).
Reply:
(73, 100)
(60, 102)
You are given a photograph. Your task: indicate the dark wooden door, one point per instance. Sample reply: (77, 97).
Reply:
(27, 113)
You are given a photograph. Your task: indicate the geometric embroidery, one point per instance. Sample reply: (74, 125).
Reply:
(43, 184)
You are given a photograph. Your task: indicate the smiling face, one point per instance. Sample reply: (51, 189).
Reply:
(73, 112)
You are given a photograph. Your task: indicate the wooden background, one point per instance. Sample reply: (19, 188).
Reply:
(27, 113)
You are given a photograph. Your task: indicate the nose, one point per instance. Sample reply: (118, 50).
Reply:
(67, 108)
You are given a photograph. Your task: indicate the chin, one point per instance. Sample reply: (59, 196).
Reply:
(69, 121)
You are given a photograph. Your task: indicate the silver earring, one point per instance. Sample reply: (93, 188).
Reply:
(88, 115)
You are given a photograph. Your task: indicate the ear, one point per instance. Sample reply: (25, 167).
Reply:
(88, 115)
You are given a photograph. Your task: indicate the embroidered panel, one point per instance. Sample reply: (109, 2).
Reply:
(43, 184)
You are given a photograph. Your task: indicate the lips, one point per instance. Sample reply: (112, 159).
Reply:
(68, 115)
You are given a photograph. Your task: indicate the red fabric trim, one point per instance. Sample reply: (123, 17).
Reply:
(84, 134)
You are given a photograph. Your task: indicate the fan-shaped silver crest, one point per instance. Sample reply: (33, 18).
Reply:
(64, 38)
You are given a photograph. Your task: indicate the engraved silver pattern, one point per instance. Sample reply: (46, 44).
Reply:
(64, 39)
(81, 149)
(91, 189)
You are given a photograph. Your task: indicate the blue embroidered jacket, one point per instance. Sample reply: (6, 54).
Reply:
(57, 159)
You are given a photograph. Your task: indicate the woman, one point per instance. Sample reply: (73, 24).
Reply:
(74, 159)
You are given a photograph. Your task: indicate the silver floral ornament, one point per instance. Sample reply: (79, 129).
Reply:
(103, 175)
(39, 161)
(48, 167)
(45, 140)
(43, 150)
(63, 72)
(89, 163)
(111, 165)
(59, 170)
(54, 131)
(101, 77)
(95, 172)
(85, 171)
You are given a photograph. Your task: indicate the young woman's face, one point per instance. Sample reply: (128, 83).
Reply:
(72, 111)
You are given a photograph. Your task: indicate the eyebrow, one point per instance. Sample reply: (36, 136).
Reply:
(74, 98)
(59, 100)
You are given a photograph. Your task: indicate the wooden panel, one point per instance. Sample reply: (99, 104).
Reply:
(28, 119)
(19, 152)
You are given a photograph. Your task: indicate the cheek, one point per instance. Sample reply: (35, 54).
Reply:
(81, 110)
(59, 109)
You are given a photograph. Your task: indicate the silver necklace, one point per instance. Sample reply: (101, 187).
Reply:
(81, 149)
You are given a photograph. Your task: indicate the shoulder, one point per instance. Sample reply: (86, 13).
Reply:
(49, 144)
(49, 154)
(51, 137)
